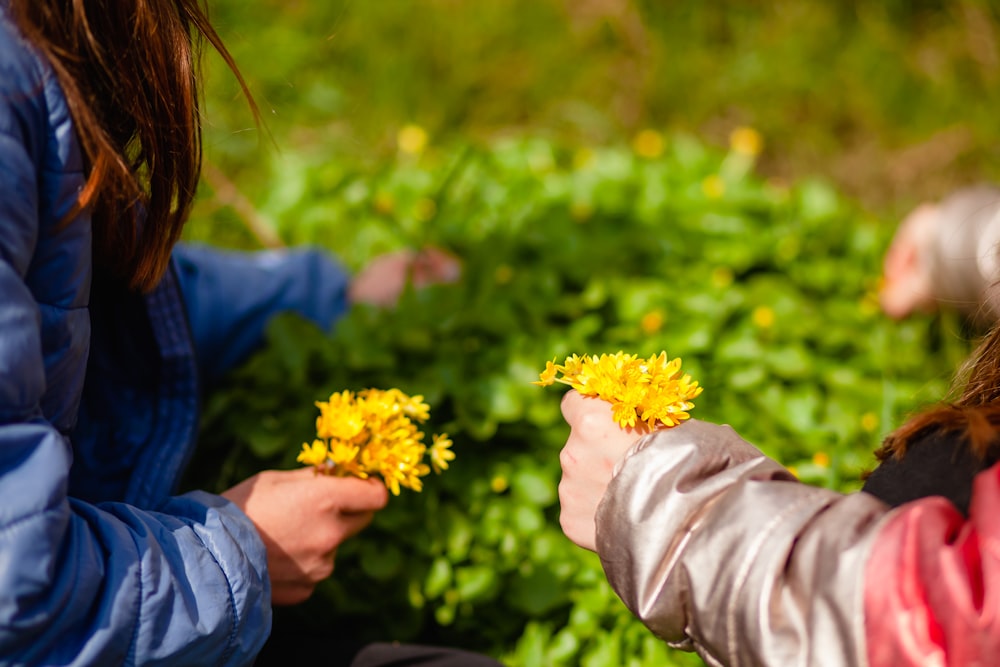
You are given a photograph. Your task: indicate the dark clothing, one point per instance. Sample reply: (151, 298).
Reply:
(935, 464)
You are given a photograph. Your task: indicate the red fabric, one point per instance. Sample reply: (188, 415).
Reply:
(932, 584)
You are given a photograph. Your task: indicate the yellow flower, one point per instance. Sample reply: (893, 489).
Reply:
(384, 203)
(339, 423)
(313, 455)
(374, 432)
(822, 459)
(548, 376)
(652, 321)
(573, 365)
(343, 454)
(624, 413)
(650, 391)
(763, 317)
(648, 144)
(746, 141)
(415, 408)
(412, 139)
(869, 422)
(713, 186)
(499, 484)
(440, 452)
(392, 479)
(582, 157)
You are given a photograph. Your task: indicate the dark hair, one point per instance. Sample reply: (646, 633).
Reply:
(129, 72)
(974, 414)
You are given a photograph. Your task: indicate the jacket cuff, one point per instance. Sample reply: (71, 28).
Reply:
(242, 556)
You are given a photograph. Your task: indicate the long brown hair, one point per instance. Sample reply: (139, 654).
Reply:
(973, 415)
(129, 71)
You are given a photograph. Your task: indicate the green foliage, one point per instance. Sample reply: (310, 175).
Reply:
(766, 292)
(841, 88)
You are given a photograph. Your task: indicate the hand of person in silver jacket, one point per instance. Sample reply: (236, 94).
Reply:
(714, 546)
(945, 255)
(596, 443)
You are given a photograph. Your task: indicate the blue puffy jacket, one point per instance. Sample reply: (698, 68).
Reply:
(99, 563)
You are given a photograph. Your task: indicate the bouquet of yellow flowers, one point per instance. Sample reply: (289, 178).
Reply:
(374, 432)
(652, 391)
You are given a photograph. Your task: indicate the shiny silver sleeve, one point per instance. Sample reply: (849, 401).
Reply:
(718, 549)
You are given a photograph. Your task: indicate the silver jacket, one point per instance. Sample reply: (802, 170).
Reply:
(962, 257)
(718, 549)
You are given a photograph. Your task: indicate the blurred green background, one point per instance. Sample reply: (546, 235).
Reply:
(595, 163)
(894, 101)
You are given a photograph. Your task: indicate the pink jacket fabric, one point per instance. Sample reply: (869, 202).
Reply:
(932, 593)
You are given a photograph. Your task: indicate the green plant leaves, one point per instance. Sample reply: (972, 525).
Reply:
(765, 293)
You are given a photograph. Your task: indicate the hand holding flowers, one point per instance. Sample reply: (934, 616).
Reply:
(637, 396)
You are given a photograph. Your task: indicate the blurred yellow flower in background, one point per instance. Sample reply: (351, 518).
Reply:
(648, 144)
(746, 141)
(499, 484)
(652, 321)
(763, 317)
(713, 186)
(822, 459)
(869, 421)
(582, 157)
(412, 139)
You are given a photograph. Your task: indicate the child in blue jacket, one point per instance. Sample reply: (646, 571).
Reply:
(107, 332)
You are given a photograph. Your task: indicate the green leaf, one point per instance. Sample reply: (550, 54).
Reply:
(534, 486)
(537, 593)
(475, 582)
(439, 578)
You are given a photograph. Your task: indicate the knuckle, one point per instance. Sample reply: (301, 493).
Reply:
(591, 420)
(566, 458)
(323, 570)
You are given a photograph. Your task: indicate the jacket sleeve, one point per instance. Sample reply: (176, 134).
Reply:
(101, 585)
(717, 548)
(107, 585)
(964, 251)
(231, 296)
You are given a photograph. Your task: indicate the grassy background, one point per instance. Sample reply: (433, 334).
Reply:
(893, 101)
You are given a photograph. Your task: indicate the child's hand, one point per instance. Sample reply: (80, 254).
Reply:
(596, 443)
(907, 286)
(303, 518)
(384, 279)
